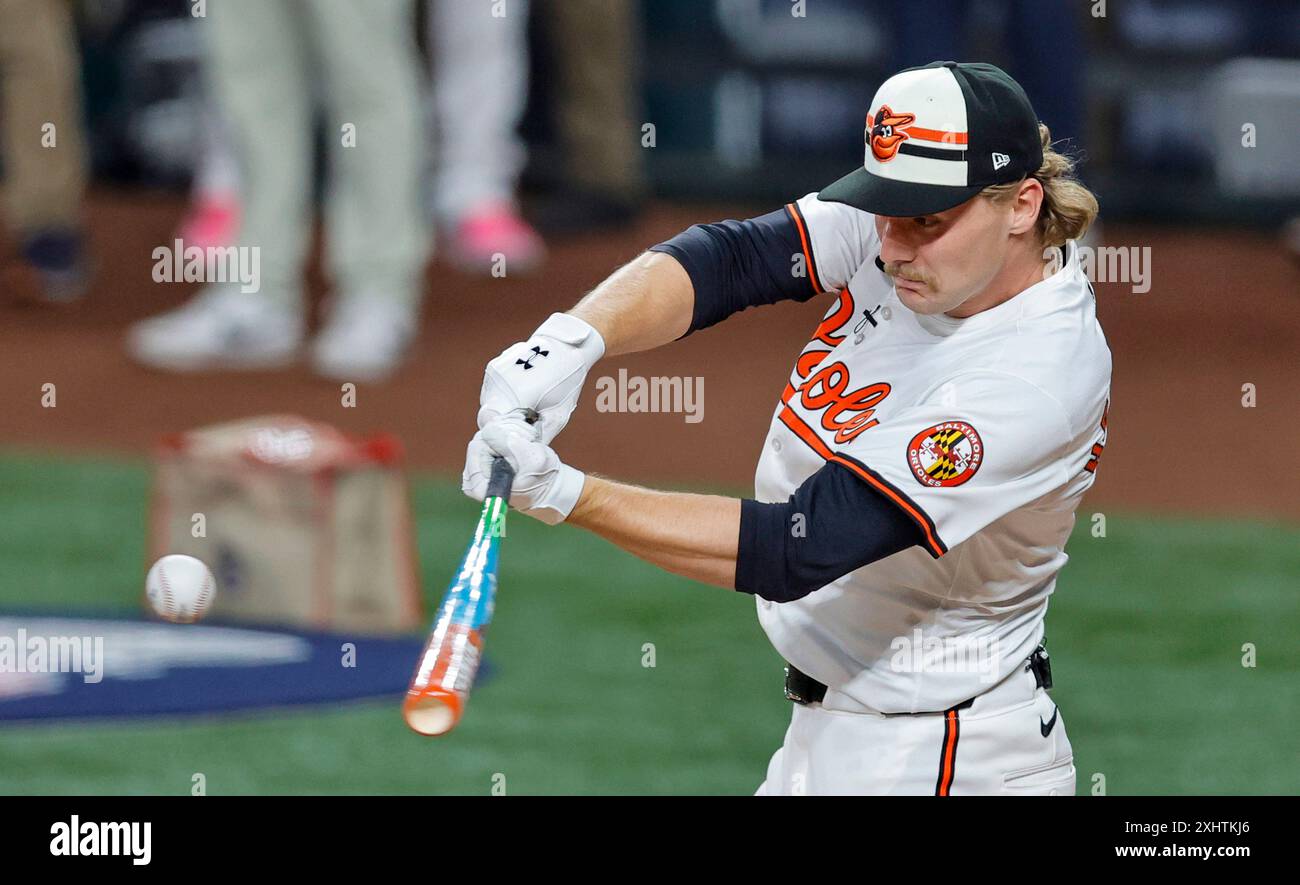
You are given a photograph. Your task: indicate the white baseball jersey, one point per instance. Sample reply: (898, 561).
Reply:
(985, 431)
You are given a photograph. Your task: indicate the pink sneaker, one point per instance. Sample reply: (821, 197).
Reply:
(496, 230)
(211, 222)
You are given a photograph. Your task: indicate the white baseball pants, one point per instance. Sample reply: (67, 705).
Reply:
(996, 746)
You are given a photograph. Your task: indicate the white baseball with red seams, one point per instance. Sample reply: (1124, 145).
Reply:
(180, 588)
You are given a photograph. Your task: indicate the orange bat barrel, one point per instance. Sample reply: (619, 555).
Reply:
(445, 672)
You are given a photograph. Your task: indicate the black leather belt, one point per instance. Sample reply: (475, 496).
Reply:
(803, 689)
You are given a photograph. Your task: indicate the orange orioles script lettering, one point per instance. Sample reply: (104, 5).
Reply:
(845, 412)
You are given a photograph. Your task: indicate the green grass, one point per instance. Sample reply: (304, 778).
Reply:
(1146, 632)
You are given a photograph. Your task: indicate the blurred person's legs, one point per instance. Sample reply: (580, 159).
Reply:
(1045, 43)
(45, 169)
(1048, 57)
(213, 215)
(1291, 237)
(480, 86)
(931, 31)
(377, 235)
(595, 47)
(260, 73)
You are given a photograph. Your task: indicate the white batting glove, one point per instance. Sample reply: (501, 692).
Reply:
(544, 487)
(544, 374)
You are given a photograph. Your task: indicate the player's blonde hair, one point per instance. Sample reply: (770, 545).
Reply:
(1068, 207)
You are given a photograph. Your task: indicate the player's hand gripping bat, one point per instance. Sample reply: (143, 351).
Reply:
(444, 675)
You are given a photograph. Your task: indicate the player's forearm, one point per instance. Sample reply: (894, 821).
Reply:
(646, 303)
(696, 536)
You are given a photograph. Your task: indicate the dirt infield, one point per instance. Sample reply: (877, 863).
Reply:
(1223, 311)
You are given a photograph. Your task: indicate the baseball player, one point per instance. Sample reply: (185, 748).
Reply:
(923, 464)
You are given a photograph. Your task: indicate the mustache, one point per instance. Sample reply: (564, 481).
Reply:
(895, 269)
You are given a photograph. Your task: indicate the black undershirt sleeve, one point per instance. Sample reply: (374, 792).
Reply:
(834, 523)
(738, 264)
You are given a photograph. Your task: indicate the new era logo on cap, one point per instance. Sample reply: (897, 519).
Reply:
(936, 136)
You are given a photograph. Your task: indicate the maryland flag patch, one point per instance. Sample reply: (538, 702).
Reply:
(946, 454)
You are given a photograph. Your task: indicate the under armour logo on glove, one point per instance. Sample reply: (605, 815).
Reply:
(528, 363)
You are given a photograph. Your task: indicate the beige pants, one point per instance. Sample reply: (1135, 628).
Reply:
(272, 60)
(40, 115)
(595, 45)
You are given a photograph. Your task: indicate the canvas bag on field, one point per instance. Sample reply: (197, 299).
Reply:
(300, 524)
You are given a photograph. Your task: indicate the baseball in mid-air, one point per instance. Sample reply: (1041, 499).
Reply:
(180, 588)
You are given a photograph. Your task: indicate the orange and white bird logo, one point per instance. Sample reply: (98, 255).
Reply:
(886, 131)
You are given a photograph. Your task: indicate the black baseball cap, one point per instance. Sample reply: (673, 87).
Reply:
(939, 134)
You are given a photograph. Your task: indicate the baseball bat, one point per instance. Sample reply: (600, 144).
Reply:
(444, 675)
